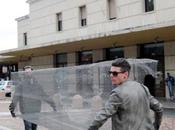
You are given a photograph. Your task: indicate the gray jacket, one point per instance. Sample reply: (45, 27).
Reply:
(129, 107)
(30, 95)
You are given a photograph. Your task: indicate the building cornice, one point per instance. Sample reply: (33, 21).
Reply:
(22, 18)
(151, 32)
(32, 1)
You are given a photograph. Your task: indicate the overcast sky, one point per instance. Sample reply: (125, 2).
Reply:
(9, 11)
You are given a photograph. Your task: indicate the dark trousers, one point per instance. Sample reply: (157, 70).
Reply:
(29, 126)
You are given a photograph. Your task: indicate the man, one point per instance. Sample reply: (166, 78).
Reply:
(149, 82)
(170, 84)
(29, 95)
(129, 103)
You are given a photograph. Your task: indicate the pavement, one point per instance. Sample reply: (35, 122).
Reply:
(167, 104)
(6, 121)
(9, 123)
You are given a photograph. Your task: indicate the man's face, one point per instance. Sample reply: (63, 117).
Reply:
(28, 71)
(117, 76)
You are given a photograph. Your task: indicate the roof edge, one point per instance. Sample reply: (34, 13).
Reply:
(22, 18)
(31, 1)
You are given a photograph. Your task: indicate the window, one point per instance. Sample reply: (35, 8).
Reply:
(111, 9)
(59, 22)
(25, 39)
(83, 15)
(6, 69)
(153, 51)
(149, 5)
(85, 57)
(113, 53)
(60, 60)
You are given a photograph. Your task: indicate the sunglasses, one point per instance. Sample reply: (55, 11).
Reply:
(114, 73)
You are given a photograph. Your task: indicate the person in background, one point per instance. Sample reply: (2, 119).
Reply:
(170, 84)
(149, 82)
(129, 104)
(29, 94)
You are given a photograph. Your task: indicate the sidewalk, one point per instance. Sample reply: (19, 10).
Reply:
(167, 104)
(9, 123)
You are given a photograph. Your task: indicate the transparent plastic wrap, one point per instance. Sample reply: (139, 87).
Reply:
(68, 98)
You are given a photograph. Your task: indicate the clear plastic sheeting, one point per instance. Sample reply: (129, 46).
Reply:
(68, 98)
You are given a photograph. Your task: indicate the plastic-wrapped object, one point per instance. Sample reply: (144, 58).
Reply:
(68, 98)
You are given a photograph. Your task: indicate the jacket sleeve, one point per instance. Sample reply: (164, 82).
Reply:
(110, 108)
(157, 107)
(17, 95)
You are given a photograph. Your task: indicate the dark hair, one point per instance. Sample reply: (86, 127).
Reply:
(123, 64)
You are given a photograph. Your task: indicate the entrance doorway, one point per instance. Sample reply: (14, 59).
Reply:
(156, 51)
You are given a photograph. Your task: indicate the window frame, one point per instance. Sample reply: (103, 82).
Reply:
(25, 39)
(146, 6)
(58, 63)
(59, 22)
(83, 19)
(109, 10)
(82, 62)
(109, 52)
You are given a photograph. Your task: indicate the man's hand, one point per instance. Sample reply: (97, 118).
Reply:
(53, 106)
(12, 109)
(54, 109)
(156, 126)
(93, 128)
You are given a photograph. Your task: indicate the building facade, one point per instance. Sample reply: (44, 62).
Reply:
(58, 33)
